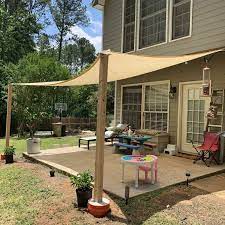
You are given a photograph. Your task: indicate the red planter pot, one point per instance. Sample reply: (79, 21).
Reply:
(99, 209)
(2, 157)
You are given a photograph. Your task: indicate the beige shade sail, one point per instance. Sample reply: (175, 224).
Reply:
(122, 66)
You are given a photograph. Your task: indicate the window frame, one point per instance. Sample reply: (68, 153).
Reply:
(171, 22)
(143, 99)
(139, 27)
(123, 26)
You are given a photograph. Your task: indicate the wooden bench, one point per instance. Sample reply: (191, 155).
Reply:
(127, 146)
(153, 146)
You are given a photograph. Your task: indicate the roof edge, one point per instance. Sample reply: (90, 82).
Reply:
(98, 4)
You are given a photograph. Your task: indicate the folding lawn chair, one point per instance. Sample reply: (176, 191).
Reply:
(208, 150)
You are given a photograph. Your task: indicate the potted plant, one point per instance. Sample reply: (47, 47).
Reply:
(33, 118)
(9, 152)
(84, 185)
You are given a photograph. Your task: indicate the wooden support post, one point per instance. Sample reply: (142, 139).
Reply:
(101, 121)
(8, 118)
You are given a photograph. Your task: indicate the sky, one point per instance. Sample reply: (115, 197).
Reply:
(93, 32)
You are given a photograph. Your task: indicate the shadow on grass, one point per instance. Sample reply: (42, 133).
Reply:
(141, 208)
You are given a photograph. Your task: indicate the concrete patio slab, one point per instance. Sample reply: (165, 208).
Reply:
(171, 169)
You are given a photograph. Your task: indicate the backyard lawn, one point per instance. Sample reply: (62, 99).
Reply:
(46, 143)
(29, 196)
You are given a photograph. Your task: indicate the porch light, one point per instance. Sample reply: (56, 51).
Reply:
(206, 81)
(187, 174)
(172, 93)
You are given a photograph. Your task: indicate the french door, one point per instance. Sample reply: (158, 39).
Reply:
(193, 116)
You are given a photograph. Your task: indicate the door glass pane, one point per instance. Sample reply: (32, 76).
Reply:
(195, 116)
(131, 113)
(190, 104)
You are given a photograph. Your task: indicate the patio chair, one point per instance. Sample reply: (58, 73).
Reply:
(208, 150)
(147, 169)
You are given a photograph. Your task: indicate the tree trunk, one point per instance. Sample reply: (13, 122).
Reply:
(60, 45)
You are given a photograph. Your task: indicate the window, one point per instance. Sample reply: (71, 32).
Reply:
(129, 25)
(153, 15)
(181, 21)
(153, 111)
(156, 107)
(131, 106)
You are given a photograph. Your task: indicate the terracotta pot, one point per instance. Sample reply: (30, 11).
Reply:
(2, 157)
(99, 209)
(83, 197)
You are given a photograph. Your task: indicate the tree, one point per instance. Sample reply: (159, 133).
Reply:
(17, 29)
(40, 100)
(66, 14)
(43, 44)
(78, 55)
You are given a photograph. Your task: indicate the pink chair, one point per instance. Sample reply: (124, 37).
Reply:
(147, 168)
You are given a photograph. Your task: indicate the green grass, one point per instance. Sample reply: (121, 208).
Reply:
(20, 195)
(46, 143)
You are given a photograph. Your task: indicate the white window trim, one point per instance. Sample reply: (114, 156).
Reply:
(135, 27)
(143, 95)
(138, 27)
(171, 23)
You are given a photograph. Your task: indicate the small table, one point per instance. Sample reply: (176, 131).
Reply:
(138, 161)
(87, 139)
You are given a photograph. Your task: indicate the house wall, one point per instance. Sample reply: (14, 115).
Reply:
(180, 73)
(208, 29)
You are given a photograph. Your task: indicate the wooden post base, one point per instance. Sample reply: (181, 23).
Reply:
(99, 209)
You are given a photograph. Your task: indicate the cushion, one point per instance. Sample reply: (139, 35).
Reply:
(121, 126)
(109, 134)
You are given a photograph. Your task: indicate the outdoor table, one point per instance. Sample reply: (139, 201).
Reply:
(137, 161)
(140, 139)
(87, 140)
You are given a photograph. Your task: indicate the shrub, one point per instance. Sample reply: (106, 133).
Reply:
(82, 181)
(9, 150)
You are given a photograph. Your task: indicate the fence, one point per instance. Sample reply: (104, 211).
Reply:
(73, 123)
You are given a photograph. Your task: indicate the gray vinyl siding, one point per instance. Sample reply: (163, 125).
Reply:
(112, 25)
(176, 74)
(208, 29)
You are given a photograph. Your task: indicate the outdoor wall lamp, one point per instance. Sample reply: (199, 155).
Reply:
(173, 91)
(206, 81)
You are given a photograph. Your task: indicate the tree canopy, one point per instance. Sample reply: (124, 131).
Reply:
(66, 14)
(29, 54)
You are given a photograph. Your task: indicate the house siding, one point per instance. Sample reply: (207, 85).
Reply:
(112, 25)
(176, 74)
(208, 29)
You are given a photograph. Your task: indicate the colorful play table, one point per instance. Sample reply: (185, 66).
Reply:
(137, 161)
